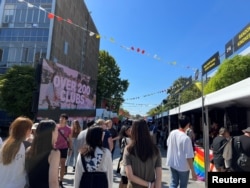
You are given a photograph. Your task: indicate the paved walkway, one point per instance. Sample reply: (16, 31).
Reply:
(69, 178)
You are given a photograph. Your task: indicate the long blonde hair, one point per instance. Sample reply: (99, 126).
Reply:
(17, 134)
(75, 128)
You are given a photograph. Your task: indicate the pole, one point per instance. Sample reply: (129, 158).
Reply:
(205, 135)
(162, 119)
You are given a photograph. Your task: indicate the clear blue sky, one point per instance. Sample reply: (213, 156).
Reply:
(181, 31)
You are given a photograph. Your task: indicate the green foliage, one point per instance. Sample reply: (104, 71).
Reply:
(189, 94)
(16, 90)
(110, 87)
(231, 71)
(177, 95)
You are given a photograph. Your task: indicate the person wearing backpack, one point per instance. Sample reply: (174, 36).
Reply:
(241, 148)
(95, 158)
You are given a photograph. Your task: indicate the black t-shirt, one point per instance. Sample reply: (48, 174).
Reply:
(217, 144)
(114, 134)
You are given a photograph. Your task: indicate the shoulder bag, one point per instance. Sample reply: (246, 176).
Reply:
(64, 137)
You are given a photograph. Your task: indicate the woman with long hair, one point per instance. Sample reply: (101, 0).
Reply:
(71, 159)
(125, 135)
(142, 158)
(42, 159)
(97, 157)
(12, 154)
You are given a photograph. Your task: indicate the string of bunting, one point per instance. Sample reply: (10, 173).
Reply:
(110, 39)
(147, 95)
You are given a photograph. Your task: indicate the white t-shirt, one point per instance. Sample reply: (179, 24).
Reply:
(13, 174)
(81, 139)
(179, 149)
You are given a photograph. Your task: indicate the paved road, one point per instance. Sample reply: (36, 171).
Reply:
(69, 178)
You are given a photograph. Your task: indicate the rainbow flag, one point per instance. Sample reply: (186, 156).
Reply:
(199, 165)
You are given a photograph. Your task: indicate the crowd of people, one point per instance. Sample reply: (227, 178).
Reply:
(37, 154)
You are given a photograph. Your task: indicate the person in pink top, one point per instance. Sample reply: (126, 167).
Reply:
(64, 144)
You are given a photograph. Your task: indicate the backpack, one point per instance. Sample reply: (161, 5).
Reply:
(243, 160)
(92, 179)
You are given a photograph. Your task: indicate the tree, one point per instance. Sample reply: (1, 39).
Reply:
(191, 93)
(110, 87)
(177, 95)
(231, 71)
(16, 91)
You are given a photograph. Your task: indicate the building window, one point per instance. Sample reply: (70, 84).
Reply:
(66, 46)
(8, 13)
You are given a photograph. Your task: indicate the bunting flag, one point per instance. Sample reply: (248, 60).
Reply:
(110, 39)
(147, 95)
(51, 16)
(198, 85)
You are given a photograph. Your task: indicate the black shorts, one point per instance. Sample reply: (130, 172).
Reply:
(64, 153)
(124, 180)
(219, 162)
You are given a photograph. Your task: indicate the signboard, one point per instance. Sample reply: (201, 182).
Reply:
(229, 48)
(242, 37)
(211, 63)
(64, 90)
(196, 76)
(177, 89)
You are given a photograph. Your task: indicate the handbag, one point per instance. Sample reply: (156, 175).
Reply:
(92, 179)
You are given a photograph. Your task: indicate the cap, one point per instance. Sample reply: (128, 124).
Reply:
(34, 126)
(247, 130)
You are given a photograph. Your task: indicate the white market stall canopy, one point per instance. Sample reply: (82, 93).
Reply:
(237, 94)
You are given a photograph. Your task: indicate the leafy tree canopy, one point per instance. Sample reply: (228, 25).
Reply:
(16, 90)
(110, 87)
(231, 71)
(177, 95)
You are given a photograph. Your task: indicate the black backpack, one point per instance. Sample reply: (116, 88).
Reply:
(243, 160)
(93, 179)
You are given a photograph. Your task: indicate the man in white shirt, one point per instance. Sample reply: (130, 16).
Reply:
(81, 138)
(180, 155)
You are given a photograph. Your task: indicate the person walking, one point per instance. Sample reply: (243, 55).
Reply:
(42, 159)
(125, 135)
(81, 138)
(241, 145)
(180, 155)
(64, 144)
(97, 157)
(113, 132)
(12, 154)
(107, 140)
(75, 130)
(142, 158)
(218, 145)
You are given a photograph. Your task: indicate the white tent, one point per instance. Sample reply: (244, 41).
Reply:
(237, 94)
